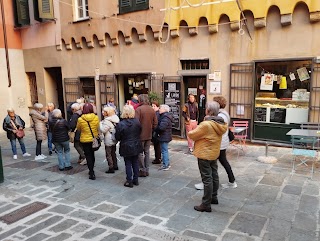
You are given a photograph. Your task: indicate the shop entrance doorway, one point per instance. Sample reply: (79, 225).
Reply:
(196, 85)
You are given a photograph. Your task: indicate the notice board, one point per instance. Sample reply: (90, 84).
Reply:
(172, 99)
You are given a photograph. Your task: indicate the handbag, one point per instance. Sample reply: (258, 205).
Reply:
(96, 141)
(72, 134)
(19, 132)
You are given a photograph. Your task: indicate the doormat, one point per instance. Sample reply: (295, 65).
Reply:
(23, 212)
(27, 164)
(76, 169)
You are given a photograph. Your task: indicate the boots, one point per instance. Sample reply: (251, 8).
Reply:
(92, 176)
(202, 208)
(111, 170)
(142, 173)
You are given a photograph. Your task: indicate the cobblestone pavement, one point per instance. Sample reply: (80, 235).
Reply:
(269, 203)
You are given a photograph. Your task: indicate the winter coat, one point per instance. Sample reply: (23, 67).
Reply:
(186, 111)
(148, 119)
(40, 128)
(59, 128)
(107, 127)
(155, 138)
(164, 128)
(73, 124)
(128, 133)
(83, 127)
(8, 127)
(207, 137)
(225, 138)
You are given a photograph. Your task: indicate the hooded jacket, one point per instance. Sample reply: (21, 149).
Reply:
(207, 137)
(59, 128)
(83, 127)
(108, 127)
(128, 133)
(40, 128)
(164, 128)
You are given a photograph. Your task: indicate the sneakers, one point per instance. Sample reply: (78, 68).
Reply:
(199, 186)
(39, 158)
(229, 185)
(26, 154)
(164, 168)
(84, 162)
(43, 156)
(190, 150)
(15, 157)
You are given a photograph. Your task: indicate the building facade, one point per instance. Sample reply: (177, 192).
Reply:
(101, 49)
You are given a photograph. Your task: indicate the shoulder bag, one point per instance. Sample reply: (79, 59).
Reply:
(96, 142)
(72, 134)
(19, 132)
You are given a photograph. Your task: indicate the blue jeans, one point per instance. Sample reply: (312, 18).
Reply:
(14, 147)
(49, 140)
(132, 164)
(63, 147)
(165, 153)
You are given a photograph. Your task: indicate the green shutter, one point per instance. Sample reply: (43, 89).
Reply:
(127, 6)
(22, 10)
(36, 11)
(46, 9)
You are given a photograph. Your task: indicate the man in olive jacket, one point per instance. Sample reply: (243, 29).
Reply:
(148, 119)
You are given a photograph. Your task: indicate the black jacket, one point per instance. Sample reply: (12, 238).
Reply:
(128, 133)
(73, 124)
(164, 128)
(8, 127)
(59, 129)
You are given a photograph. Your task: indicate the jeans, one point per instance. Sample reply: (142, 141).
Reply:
(49, 140)
(132, 164)
(38, 148)
(191, 126)
(63, 147)
(165, 153)
(224, 162)
(89, 153)
(14, 147)
(210, 179)
(145, 156)
(78, 147)
(111, 156)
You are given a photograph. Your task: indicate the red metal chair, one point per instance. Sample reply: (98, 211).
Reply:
(240, 131)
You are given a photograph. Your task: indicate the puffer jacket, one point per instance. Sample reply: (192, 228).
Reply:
(164, 128)
(107, 127)
(59, 128)
(8, 127)
(73, 124)
(225, 138)
(207, 137)
(83, 127)
(128, 133)
(40, 128)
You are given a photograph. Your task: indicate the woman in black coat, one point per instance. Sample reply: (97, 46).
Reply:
(11, 123)
(164, 130)
(60, 128)
(128, 133)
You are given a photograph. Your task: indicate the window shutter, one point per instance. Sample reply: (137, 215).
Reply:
(46, 9)
(127, 6)
(125, 3)
(140, 2)
(22, 8)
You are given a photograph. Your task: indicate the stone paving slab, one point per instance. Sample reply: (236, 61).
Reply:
(270, 202)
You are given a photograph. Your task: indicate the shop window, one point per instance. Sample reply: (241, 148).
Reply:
(81, 10)
(194, 64)
(127, 6)
(21, 13)
(33, 87)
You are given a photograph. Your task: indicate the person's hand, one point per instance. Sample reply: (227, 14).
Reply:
(14, 131)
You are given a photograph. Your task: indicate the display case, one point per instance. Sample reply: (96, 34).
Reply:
(274, 110)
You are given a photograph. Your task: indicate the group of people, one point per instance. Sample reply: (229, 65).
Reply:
(139, 125)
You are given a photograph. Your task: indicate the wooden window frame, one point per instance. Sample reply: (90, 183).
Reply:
(85, 10)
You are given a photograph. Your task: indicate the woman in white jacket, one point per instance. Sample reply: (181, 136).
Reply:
(108, 128)
(224, 145)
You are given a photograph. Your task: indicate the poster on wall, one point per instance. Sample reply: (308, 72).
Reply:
(172, 99)
(192, 91)
(215, 87)
(303, 74)
(266, 82)
(217, 75)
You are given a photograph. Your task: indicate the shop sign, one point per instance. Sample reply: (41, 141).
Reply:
(172, 99)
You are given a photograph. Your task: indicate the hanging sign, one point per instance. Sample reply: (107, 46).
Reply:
(283, 83)
(303, 74)
(266, 82)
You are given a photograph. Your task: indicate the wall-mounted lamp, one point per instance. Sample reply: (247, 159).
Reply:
(110, 60)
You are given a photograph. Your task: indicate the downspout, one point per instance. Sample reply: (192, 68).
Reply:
(5, 42)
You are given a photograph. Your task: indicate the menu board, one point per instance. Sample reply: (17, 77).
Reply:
(278, 115)
(172, 99)
(260, 114)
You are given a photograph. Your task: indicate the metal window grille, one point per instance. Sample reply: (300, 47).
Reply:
(194, 64)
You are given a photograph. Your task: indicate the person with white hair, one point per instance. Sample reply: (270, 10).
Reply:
(40, 128)
(11, 124)
(164, 131)
(76, 113)
(207, 137)
(59, 128)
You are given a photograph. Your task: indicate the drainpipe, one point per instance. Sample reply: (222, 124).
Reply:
(5, 42)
